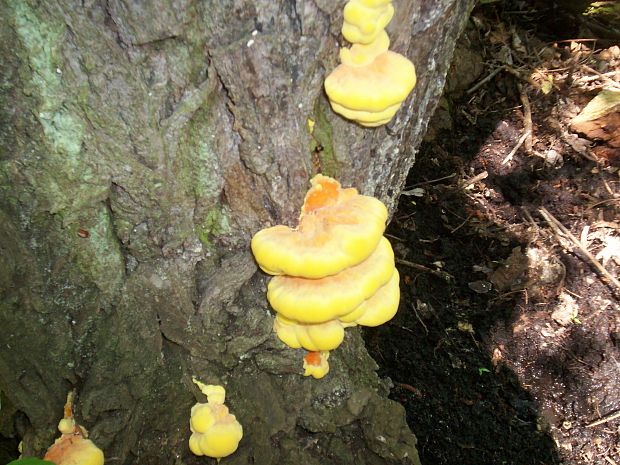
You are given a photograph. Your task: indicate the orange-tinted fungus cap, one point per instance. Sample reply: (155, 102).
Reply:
(323, 193)
(338, 228)
(72, 449)
(316, 365)
(313, 358)
(320, 300)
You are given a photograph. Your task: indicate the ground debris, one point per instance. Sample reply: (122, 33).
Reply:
(518, 351)
(566, 310)
(510, 275)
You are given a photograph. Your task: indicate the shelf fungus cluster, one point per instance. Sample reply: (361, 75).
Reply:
(371, 82)
(73, 446)
(215, 431)
(334, 270)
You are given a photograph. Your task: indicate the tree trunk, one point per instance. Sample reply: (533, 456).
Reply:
(142, 145)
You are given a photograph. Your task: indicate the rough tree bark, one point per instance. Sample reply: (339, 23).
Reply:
(142, 144)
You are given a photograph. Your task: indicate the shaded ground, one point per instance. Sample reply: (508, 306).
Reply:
(506, 348)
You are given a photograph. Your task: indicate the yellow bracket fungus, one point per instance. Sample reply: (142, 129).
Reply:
(371, 82)
(73, 447)
(341, 233)
(333, 271)
(312, 337)
(215, 431)
(318, 300)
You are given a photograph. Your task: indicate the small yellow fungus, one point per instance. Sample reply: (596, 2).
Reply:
(373, 93)
(215, 431)
(316, 365)
(365, 20)
(73, 447)
(371, 82)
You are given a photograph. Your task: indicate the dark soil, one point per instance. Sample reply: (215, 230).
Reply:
(506, 347)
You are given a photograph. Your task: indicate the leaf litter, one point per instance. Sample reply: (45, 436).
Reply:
(516, 358)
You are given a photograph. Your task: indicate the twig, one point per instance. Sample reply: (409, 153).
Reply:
(424, 183)
(573, 293)
(602, 202)
(532, 222)
(482, 82)
(559, 227)
(517, 73)
(475, 179)
(596, 77)
(529, 217)
(392, 236)
(606, 224)
(527, 119)
(410, 388)
(608, 80)
(508, 158)
(606, 419)
(571, 40)
(415, 310)
(417, 266)
(461, 225)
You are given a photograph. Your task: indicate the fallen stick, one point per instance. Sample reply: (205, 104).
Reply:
(608, 80)
(416, 266)
(527, 119)
(482, 82)
(508, 158)
(604, 420)
(560, 228)
(597, 76)
(473, 180)
(432, 181)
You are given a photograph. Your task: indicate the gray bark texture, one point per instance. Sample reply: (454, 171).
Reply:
(142, 144)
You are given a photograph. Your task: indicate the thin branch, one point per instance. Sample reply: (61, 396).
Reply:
(508, 158)
(415, 310)
(461, 225)
(608, 80)
(432, 181)
(426, 269)
(493, 73)
(563, 41)
(473, 180)
(527, 119)
(606, 419)
(560, 229)
(596, 77)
